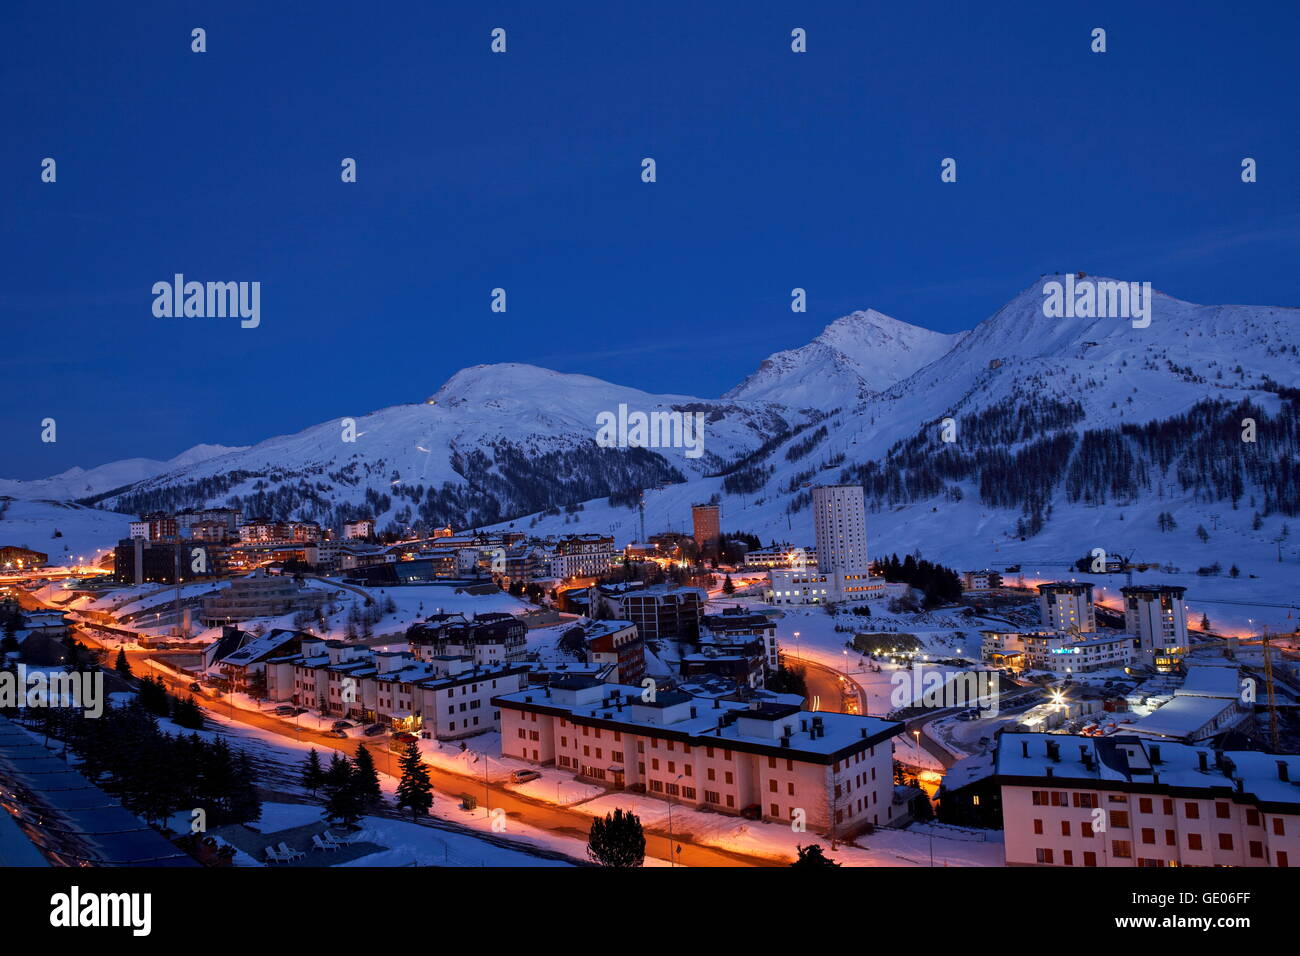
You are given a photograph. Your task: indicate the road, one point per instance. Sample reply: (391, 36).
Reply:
(827, 687)
(535, 813)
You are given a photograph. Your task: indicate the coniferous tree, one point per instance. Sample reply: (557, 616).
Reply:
(244, 805)
(366, 776)
(617, 840)
(342, 796)
(122, 665)
(313, 774)
(414, 790)
(813, 855)
(186, 713)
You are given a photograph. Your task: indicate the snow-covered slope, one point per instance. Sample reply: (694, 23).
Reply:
(78, 483)
(853, 357)
(494, 440)
(513, 444)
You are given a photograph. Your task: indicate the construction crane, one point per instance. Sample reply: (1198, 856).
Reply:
(1268, 684)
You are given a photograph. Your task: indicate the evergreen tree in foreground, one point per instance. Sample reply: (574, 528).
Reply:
(617, 840)
(313, 774)
(414, 791)
(366, 776)
(343, 801)
(122, 665)
(813, 855)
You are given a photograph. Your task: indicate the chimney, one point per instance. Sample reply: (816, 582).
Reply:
(1024, 748)
(1205, 764)
(1283, 772)
(1155, 753)
(1049, 771)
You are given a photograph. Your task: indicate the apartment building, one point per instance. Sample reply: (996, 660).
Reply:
(262, 531)
(706, 521)
(614, 644)
(981, 580)
(1125, 801)
(1157, 615)
(1067, 606)
(582, 555)
(1068, 653)
(767, 759)
(658, 611)
(785, 556)
(489, 640)
(361, 528)
(444, 698)
(735, 625)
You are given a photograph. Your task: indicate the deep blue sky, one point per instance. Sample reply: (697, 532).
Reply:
(522, 170)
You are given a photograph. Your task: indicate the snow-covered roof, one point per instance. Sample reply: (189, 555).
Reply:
(1211, 680)
(767, 727)
(1126, 759)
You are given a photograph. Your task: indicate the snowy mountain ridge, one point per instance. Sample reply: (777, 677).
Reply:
(863, 401)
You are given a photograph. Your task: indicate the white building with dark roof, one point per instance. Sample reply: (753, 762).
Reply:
(773, 760)
(1129, 801)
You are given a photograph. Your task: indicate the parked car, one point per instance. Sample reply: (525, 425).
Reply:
(342, 725)
(299, 710)
(374, 730)
(284, 710)
(196, 688)
(342, 734)
(752, 812)
(523, 776)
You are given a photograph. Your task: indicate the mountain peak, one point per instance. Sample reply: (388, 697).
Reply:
(856, 355)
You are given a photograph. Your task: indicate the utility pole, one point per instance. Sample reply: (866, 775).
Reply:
(641, 506)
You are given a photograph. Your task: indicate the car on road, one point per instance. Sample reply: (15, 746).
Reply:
(374, 730)
(196, 688)
(341, 734)
(523, 776)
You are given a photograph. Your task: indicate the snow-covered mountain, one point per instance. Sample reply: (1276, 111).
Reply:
(854, 357)
(87, 482)
(1055, 423)
(492, 442)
